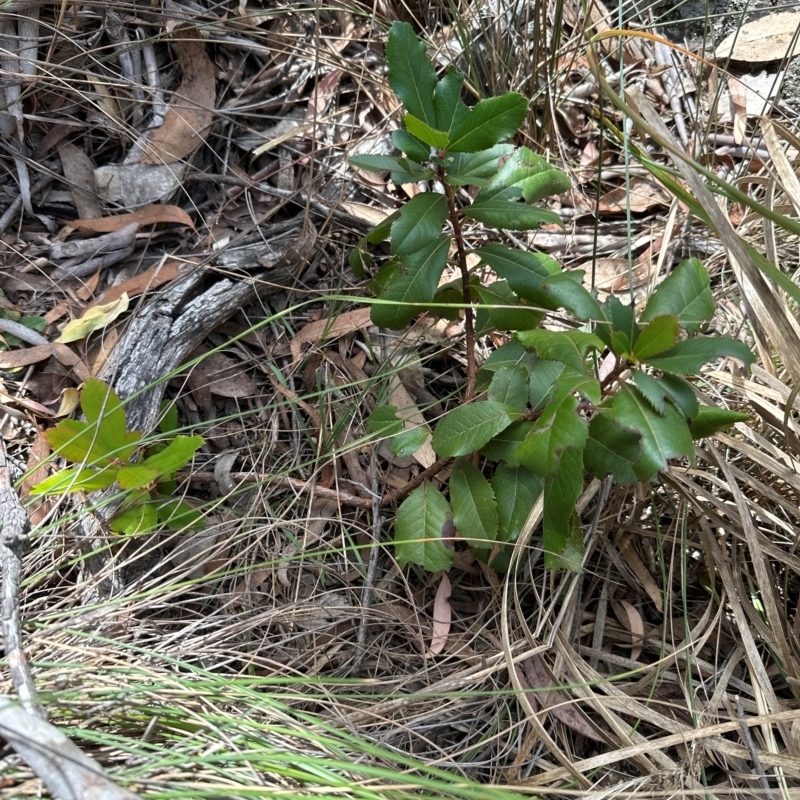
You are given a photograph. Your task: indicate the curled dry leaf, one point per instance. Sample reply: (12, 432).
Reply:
(95, 317)
(35, 472)
(442, 615)
(33, 355)
(632, 621)
(326, 328)
(191, 110)
(642, 194)
(152, 215)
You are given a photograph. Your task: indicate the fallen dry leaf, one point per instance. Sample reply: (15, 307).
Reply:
(642, 194)
(322, 94)
(152, 215)
(79, 173)
(442, 615)
(36, 472)
(632, 621)
(191, 110)
(329, 329)
(33, 355)
(739, 103)
(222, 376)
(145, 281)
(95, 317)
(407, 411)
(765, 39)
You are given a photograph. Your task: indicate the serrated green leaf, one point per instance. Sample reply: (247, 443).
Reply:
(708, 420)
(177, 515)
(685, 294)
(419, 225)
(411, 285)
(136, 476)
(476, 169)
(516, 491)
(139, 518)
(542, 382)
(384, 276)
(411, 74)
(559, 427)
(689, 356)
(611, 450)
(424, 132)
(383, 421)
(509, 354)
(178, 453)
(409, 441)
(510, 387)
(505, 310)
(568, 347)
(403, 170)
(359, 260)
(410, 145)
(525, 271)
(418, 530)
(76, 441)
(662, 436)
(651, 388)
(681, 393)
(659, 335)
(468, 428)
(382, 231)
(472, 501)
(510, 215)
(449, 293)
(489, 122)
(503, 447)
(451, 111)
(561, 531)
(72, 480)
(526, 175)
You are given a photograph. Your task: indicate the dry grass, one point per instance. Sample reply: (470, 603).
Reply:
(282, 652)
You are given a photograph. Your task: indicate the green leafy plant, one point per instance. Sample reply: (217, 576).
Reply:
(540, 413)
(106, 452)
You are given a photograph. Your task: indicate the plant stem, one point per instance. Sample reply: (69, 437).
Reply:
(469, 317)
(404, 491)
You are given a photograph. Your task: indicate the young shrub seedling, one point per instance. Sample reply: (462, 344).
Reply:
(107, 452)
(537, 416)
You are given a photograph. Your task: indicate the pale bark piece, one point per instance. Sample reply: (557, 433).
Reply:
(137, 185)
(81, 258)
(191, 110)
(67, 772)
(442, 616)
(152, 215)
(79, 173)
(765, 39)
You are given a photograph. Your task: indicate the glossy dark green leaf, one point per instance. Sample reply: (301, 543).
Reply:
(563, 291)
(451, 110)
(510, 215)
(681, 393)
(663, 436)
(491, 121)
(652, 389)
(468, 428)
(411, 74)
(418, 531)
(561, 530)
(708, 420)
(420, 223)
(619, 318)
(410, 145)
(525, 271)
(473, 504)
(476, 169)
(411, 286)
(505, 310)
(516, 491)
(685, 294)
(611, 450)
(543, 378)
(409, 440)
(526, 175)
(689, 356)
(509, 354)
(659, 335)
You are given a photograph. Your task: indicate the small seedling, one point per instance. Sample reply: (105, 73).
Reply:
(106, 452)
(537, 415)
